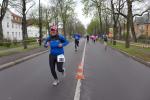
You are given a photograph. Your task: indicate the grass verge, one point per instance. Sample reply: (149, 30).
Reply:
(10, 51)
(142, 53)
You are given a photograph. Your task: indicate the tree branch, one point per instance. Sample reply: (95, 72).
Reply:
(125, 16)
(141, 13)
(31, 7)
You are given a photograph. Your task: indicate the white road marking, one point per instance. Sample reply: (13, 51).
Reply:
(78, 87)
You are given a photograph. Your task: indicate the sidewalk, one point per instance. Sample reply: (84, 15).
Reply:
(10, 51)
(16, 56)
(19, 56)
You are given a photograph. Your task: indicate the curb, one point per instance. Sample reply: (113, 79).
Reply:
(10, 64)
(133, 57)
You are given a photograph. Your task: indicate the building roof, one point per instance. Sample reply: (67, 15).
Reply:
(15, 17)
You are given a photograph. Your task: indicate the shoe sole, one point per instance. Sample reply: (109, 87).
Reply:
(56, 84)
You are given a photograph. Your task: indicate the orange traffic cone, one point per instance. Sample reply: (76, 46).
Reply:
(80, 69)
(80, 73)
(80, 76)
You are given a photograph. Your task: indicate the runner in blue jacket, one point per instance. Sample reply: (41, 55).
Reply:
(76, 37)
(56, 43)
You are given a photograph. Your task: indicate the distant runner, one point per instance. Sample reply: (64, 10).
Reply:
(76, 37)
(87, 37)
(105, 40)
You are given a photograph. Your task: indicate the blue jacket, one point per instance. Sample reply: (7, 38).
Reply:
(54, 42)
(76, 36)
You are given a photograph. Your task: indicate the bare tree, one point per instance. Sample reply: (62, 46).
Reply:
(20, 6)
(130, 16)
(92, 5)
(71, 25)
(66, 8)
(40, 23)
(2, 14)
(115, 6)
(106, 16)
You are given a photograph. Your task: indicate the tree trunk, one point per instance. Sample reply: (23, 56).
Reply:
(40, 24)
(129, 17)
(124, 37)
(24, 27)
(40, 37)
(114, 32)
(1, 31)
(47, 23)
(48, 27)
(120, 30)
(127, 44)
(70, 29)
(57, 24)
(107, 25)
(114, 23)
(133, 30)
(64, 28)
(100, 19)
(3, 10)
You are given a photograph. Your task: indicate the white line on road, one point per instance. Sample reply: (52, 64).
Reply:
(78, 87)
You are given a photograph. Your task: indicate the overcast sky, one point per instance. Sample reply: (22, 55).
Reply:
(84, 19)
(78, 10)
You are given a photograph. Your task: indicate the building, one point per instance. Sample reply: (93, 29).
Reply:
(142, 25)
(12, 28)
(33, 31)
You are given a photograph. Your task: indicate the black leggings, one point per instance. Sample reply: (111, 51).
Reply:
(76, 43)
(52, 63)
(87, 40)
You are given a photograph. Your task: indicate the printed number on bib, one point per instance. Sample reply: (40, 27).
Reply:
(61, 58)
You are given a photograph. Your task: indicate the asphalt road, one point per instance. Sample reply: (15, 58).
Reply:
(109, 75)
(112, 76)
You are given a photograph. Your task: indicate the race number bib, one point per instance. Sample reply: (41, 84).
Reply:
(61, 58)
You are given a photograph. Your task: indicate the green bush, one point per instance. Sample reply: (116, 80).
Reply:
(144, 37)
(15, 43)
(1, 43)
(5, 44)
(124, 35)
(31, 40)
